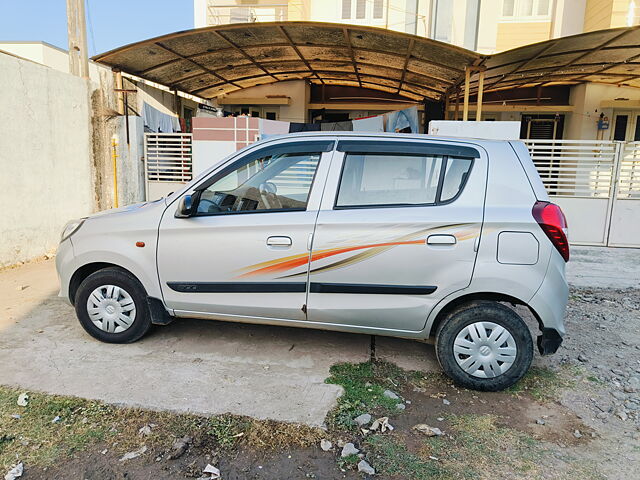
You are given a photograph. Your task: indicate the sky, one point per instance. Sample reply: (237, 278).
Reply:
(110, 23)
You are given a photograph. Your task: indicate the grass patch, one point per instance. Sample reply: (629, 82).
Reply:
(364, 385)
(543, 384)
(476, 445)
(37, 441)
(390, 456)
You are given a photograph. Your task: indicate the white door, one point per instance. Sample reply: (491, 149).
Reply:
(251, 216)
(396, 232)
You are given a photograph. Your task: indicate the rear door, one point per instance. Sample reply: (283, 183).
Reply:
(397, 231)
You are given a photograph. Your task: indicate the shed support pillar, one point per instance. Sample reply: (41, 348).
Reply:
(119, 88)
(465, 107)
(480, 92)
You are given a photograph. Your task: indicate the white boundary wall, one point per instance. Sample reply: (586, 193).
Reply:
(45, 157)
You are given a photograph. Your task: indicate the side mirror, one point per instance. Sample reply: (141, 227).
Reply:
(185, 207)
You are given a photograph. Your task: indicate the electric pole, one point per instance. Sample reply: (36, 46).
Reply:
(77, 30)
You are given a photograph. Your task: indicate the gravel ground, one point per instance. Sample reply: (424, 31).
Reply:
(602, 349)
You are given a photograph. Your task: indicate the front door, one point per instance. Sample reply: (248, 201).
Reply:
(250, 233)
(397, 232)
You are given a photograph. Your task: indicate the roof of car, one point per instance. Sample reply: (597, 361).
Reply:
(403, 136)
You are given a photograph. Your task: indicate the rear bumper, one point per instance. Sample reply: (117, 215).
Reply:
(549, 305)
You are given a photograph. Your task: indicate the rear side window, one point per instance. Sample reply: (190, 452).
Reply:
(391, 179)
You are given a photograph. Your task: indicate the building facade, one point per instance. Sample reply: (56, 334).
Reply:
(484, 26)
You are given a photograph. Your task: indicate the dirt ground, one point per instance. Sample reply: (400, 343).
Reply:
(575, 416)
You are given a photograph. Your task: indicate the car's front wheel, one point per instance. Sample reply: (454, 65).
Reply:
(111, 306)
(484, 346)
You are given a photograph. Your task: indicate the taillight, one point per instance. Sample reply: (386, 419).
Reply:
(554, 224)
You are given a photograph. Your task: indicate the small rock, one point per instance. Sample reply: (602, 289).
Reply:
(583, 358)
(212, 472)
(23, 399)
(16, 416)
(577, 434)
(427, 430)
(621, 414)
(440, 419)
(400, 406)
(146, 430)
(325, 445)
(618, 395)
(540, 421)
(381, 423)
(446, 402)
(390, 394)
(56, 419)
(364, 467)
(15, 472)
(104, 452)
(349, 449)
(22, 287)
(362, 420)
(179, 447)
(133, 454)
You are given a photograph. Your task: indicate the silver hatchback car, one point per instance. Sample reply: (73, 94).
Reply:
(384, 234)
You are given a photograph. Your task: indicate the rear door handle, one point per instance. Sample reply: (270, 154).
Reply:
(279, 241)
(441, 240)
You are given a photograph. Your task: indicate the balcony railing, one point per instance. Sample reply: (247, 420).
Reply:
(225, 14)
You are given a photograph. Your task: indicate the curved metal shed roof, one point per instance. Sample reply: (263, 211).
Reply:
(212, 61)
(215, 60)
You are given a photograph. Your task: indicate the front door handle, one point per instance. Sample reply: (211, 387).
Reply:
(279, 241)
(441, 240)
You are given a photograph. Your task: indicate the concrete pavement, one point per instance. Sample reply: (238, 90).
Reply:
(210, 367)
(198, 366)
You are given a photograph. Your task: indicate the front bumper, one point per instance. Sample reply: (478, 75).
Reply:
(65, 267)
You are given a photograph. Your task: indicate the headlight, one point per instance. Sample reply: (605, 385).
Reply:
(70, 228)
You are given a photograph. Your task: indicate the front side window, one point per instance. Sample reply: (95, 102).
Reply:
(274, 182)
(380, 180)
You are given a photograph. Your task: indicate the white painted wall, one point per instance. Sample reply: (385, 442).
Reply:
(45, 156)
(297, 90)
(199, 13)
(586, 99)
(130, 161)
(49, 55)
(490, 130)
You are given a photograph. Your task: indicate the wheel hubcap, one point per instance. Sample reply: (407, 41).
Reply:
(485, 349)
(111, 309)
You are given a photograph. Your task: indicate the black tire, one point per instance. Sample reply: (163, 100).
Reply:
(484, 312)
(129, 283)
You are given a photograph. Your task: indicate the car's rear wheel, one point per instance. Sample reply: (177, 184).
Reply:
(111, 306)
(484, 346)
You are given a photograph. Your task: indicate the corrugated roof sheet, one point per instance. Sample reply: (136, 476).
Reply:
(212, 61)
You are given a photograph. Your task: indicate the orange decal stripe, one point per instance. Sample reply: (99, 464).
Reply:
(298, 262)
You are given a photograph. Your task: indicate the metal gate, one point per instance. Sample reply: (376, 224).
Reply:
(597, 184)
(168, 162)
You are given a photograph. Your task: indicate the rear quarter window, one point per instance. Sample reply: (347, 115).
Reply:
(397, 179)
